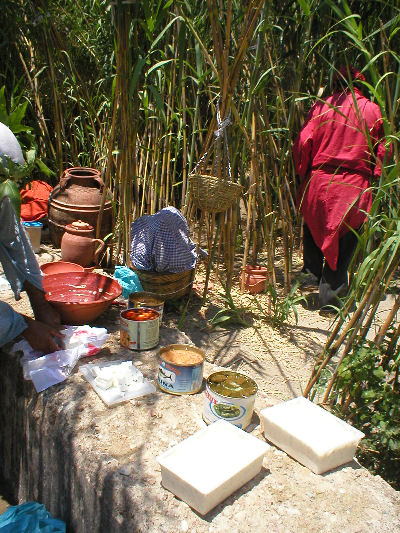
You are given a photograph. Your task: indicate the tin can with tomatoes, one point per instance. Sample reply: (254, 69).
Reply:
(139, 328)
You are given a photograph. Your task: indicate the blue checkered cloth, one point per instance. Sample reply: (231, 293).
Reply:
(161, 242)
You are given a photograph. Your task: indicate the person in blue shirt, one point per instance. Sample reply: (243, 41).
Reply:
(22, 271)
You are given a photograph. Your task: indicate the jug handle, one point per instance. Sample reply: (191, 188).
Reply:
(65, 177)
(100, 248)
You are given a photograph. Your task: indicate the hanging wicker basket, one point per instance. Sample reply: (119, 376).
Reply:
(212, 194)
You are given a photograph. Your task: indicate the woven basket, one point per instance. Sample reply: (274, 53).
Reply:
(168, 286)
(212, 194)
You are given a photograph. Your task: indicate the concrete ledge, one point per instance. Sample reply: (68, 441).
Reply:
(95, 467)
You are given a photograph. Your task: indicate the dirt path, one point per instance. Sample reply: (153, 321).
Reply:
(279, 359)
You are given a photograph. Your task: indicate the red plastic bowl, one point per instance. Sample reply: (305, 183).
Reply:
(58, 267)
(80, 297)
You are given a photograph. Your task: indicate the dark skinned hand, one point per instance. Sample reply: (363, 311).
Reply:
(41, 336)
(42, 309)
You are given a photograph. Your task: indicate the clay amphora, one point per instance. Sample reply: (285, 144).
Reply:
(78, 197)
(78, 244)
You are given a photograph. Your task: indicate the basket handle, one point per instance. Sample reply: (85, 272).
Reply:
(221, 131)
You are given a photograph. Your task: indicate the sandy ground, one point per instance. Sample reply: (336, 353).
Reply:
(280, 359)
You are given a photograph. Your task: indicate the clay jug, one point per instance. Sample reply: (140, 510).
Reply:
(78, 244)
(78, 197)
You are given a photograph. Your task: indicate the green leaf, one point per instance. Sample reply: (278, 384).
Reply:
(220, 320)
(305, 6)
(44, 168)
(379, 373)
(158, 66)
(159, 103)
(136, 73)
(9, 188)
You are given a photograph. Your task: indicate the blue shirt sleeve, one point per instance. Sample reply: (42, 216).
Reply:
(12, 324)
(16, 254)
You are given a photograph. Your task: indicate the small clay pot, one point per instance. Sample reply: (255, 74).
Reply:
(256, 269)
(78, 244)
(255, 285)
(255, 278)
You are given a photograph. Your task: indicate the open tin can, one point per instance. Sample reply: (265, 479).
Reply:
(180, 369)
(139, 328)
(229, 396)
(148, 300)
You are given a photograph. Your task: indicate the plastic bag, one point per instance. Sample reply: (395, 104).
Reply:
(30, 517)
(47, 370)
(128, 280)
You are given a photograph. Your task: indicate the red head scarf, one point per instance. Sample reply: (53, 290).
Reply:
(348, 73)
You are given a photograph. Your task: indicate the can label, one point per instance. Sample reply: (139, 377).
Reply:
(139, 335)
(180, 379)
(237, 411)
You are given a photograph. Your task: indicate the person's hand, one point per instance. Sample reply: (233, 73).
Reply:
(42, 309)
(42, 337)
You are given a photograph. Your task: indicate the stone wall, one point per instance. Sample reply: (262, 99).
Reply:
(96, 469)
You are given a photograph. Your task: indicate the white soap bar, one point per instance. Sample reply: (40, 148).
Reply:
(104, 382)
(210, 465)
(310, 434)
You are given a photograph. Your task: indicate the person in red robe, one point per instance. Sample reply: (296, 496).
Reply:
(337, 155)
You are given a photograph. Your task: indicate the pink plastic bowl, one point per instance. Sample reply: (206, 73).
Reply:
(80, 297)
(59, 267)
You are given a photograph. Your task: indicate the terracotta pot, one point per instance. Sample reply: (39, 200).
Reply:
(255, 284)
(78, 197)
(78, 244)
(256, 269)
(255, 278)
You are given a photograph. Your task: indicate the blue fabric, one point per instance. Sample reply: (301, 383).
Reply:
(11, 324)
(16, 253)
(128, 280)
(19, 264)
(161, 242)
(30, 517)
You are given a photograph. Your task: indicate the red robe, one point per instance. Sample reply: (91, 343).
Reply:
(336, 165)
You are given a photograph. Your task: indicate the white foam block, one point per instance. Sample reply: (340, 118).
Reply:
(310, 434)
(209, 466)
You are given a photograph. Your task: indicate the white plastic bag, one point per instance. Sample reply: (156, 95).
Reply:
(47, 370)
